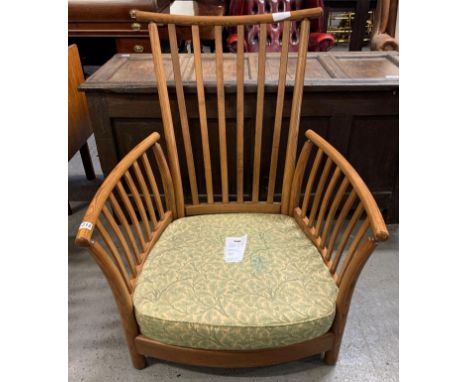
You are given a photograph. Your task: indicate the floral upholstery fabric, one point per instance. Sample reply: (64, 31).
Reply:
(281, 293)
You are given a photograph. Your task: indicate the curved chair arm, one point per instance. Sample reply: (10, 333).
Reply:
(336, 213)
(88, 225)
(350, 176)
(120, 236)
(383, 41)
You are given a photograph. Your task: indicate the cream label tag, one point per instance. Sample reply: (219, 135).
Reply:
(185, 7)
(234, 249)
(86, 225)
(278, 16)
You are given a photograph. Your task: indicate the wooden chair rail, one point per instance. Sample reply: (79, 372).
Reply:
(266, 18)
(233, 358)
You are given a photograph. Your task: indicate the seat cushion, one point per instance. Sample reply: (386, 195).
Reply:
(281, 293)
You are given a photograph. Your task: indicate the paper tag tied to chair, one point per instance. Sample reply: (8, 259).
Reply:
(234, 248)
(86, 225)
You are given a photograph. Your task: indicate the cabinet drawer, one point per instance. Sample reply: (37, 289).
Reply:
(133, 45)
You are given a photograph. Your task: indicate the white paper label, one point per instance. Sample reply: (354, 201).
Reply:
(234, 249)
(86, 225)
(392, 77)
(278, 16)
(186, 8)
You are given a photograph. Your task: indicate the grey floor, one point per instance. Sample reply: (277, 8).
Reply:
(98, 352)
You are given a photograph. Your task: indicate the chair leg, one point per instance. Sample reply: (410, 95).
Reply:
(138, 361)
(69, 209)
(87, 162)
(331, 356)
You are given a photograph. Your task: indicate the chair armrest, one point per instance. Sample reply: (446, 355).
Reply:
(383, 41)
(338, 214)
(114, 181)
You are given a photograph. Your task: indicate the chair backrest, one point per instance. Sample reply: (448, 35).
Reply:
(203, 187)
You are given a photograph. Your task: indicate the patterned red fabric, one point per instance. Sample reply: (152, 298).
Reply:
(319, 41)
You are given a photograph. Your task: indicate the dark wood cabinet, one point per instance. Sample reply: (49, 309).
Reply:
(350, 98)
(102, 28)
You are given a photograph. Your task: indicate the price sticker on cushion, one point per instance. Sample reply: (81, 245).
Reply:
(234, 248)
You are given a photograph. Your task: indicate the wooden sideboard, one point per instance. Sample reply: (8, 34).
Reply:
(102, 28)
(350, 98)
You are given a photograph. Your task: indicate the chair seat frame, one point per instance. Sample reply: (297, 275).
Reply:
(341, 218)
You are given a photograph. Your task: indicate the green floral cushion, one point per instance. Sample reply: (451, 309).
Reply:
(281, 293)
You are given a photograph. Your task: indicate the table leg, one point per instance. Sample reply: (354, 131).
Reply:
(359, 27)
(87, 162)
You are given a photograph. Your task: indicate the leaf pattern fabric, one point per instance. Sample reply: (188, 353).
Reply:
(281, 293)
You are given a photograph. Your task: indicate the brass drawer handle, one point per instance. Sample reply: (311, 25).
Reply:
(132, 13)
(136, 26)
(138, 48)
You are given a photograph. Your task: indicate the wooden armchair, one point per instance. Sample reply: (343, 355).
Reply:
(162, 251)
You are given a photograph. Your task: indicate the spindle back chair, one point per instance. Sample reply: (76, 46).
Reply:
(333, 207)
(229, 203)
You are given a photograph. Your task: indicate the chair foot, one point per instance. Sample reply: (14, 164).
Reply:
(331, 357)
(138, 361)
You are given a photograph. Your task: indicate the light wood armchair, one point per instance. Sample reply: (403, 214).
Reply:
(333, 207)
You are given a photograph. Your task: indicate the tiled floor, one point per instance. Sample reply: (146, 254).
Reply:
(98, 352)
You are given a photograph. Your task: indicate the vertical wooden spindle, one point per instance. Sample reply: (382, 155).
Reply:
(310, 182)
(153, 185)
(115, 227)
(279, 110)
(318, 192)
(129, 208)
(295, 115)
(259, 112)
(114, 253)
(299, 176)
(183, 112)
(123, 220)
(221, 113)
(163, 97)
(240, 114)
(141, 208)
(146, 194)
(326, 198)
(353, 247)
(202, 111)
(166, 176)
(346, 234)
(339, 222)
(331, 214)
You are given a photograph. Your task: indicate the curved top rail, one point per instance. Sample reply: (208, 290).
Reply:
(377, 222)
(266, 18)
(86, 229)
